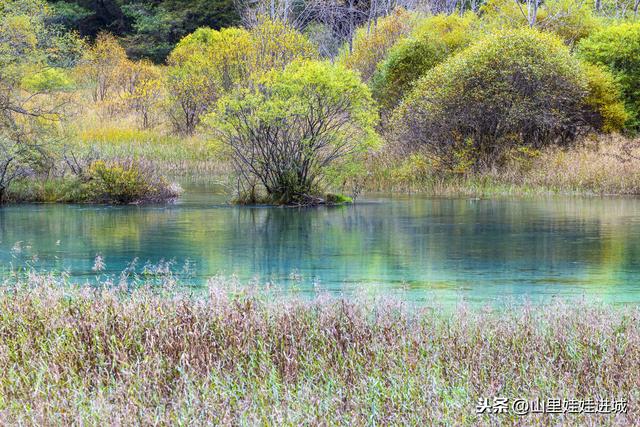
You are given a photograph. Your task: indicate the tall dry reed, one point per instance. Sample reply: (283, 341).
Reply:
(98, 355)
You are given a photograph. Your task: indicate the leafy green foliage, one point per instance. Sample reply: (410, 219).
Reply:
(503, 14)
(224, 55)
(337, 199)
(200, 66)
(142, 90)
(275, 44)
(209, 63)
(28, 49)
(371, 43)
(513, 88)
(68, 13)
(148, 28)
(433, 40)
(115, 182)
(101, 65)
(604, 99)
(513, 98)
(568, 19)
(22, 29)
(297, 123)
(157, 27)
(125, 182)
(618, 48)
(53, 190)
(151, 34)
(49, 79)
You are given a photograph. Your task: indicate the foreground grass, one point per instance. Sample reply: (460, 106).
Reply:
(95, 356)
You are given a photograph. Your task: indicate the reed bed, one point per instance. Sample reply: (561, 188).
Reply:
(599, 165)
(606, 165)
(157, 355)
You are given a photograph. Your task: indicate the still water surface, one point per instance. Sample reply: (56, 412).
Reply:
(416, 248)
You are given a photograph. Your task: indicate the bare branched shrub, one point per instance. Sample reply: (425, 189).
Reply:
(287, 133)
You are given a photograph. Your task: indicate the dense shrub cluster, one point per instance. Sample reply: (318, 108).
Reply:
(126, 182)
(467, 85)
(208, 63)
(116, 182)
(568, 19)
(514, 88)
(618, 48)
(371, 44)
(605, 109)
(433, 40)
(296, 125)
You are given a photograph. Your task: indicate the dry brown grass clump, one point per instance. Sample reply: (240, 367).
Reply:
(94, 356)
(609, 164)
(599, 165)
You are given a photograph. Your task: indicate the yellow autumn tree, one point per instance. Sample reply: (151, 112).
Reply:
(372, 42)
(141, 89)
(569, 20)
(101, 65)
(275, 44)
(209, 63)
(201, 67)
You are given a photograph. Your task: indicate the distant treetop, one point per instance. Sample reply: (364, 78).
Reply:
(148, 28)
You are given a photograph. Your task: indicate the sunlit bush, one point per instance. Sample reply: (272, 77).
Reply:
(371, 43)
(568, 19)
(142, 88)
(275, 44)
(513, 88)
(607, 110)
(196, 76)
(618, 48)
(433, 40)
(101, 65)
(297, 124)
(49, 79)
(208, 63)
(126, 182)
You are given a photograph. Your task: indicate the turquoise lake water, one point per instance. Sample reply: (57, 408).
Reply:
(415, 248)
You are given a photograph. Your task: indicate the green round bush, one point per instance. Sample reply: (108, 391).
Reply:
(618, 48)
(605, 109)
(512, 89)
(433, 40)
(126, 182)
